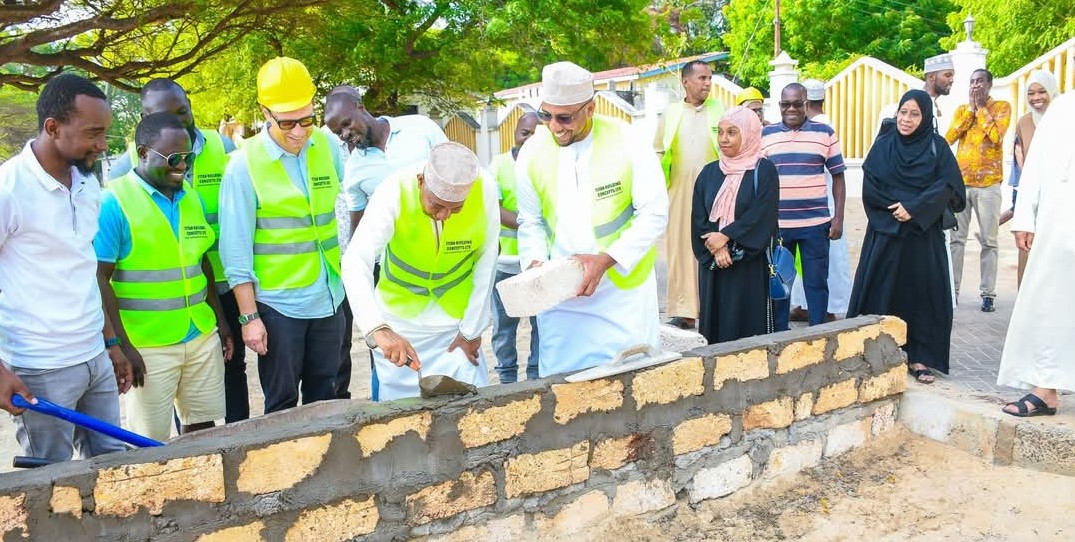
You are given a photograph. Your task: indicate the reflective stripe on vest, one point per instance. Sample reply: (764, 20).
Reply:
(503, 168)
(672, 115)
(611, 173)
(160, 288)
(295, 235)
(205, 178)
(420, 267)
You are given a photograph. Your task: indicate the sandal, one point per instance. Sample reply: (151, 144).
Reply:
(1040, 408)
(922, 376)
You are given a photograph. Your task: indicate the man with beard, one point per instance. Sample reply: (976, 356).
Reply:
(211, 151)
(381, 145)
(154, 271)
(51, 320)
(589, 190)
(940, 72)
(279, 243)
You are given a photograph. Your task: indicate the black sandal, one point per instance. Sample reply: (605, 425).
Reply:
(919, 373)
(1040, 408)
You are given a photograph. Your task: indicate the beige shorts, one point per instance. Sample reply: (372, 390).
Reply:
(188, 376)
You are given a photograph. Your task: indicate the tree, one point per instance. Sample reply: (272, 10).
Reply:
(125, 41)
(827, 35)
(18, 121)
(688, 27)
(1014, 31)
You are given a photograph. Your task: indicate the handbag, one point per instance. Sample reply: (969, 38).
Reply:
(781, 261)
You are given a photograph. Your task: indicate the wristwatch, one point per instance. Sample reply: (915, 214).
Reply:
(247, 318)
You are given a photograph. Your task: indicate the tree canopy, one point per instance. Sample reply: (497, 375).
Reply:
(1014, 31)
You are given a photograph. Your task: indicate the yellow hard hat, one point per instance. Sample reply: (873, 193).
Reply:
(748, 94)
(284, 85)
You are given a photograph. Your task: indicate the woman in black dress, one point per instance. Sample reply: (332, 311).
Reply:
(911, 181)
(733, 220)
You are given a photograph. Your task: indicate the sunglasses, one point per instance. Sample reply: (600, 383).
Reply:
(176, 158)
(792, 105)
(290, 124)
(562, 118)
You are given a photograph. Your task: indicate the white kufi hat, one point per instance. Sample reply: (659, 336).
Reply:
(566, 83)
(815, 90)
(938, 63)
(450, 171)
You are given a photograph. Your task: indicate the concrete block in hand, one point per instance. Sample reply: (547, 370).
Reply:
(540, 288)
(674, 339)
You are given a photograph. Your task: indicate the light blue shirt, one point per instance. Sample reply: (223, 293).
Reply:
(113, 240)
(410, 138)
(122, 165)
(238, 211)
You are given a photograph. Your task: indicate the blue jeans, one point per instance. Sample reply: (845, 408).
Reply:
(89, 388)
(505, 330)
(813, 245)
(302, 352)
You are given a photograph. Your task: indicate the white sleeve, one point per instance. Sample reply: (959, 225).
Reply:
(1047, 161)
(477, 316)
(533, 240)
(371, 237)
(352, 187)
(650, 199)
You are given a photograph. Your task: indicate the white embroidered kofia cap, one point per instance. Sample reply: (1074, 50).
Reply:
(566, 83)
(450, 171)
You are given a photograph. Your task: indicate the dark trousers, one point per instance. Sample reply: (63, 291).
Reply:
(302, 352)
(343, 376)
(812, 243)
(236, 394)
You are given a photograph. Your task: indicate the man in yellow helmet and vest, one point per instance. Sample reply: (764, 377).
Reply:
(279, 242)
(157, 284)
(211, 151)
(590, 189)
(436, 226)
(686, 140)
(505, 328)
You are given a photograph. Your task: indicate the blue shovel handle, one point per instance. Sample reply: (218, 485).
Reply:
(89, 422)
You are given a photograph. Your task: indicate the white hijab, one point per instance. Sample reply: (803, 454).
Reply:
(1048, 82)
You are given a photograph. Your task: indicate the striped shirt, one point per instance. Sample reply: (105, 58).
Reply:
(801, 157)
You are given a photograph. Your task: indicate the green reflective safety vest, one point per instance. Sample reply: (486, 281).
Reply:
(503, 168)
(418, 266)
(160, 287)
(672, 115)
(205, 178)
(612, 176)
(294, 233)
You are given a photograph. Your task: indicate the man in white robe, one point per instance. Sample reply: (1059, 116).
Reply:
(589, 190)
(1041, 334)
(437, 227)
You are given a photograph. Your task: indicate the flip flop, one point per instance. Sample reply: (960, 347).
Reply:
(1040, 408)
(919, 373)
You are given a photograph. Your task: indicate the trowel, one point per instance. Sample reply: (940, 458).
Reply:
(637, 357)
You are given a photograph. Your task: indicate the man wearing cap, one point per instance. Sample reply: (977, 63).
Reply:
(940, 72)
(752, 99)
(279, 243)
(839, 260)
(436, 225)
(686, 140)
(589, 190)
(211, 151)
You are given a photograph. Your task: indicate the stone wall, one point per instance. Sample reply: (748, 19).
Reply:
(542, 456)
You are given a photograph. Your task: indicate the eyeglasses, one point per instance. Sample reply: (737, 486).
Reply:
(546, 117)
(176, 157)
(290, 124)
(792, 105)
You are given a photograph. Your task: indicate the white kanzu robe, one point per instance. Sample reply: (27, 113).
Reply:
(588, 331)
(432, 331)
(1038, 350)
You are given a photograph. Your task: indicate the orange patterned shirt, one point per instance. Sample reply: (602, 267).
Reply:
(981, 142)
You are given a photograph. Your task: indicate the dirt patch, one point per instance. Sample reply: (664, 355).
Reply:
(899, 487)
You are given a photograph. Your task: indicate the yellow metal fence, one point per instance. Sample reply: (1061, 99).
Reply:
(463, 129)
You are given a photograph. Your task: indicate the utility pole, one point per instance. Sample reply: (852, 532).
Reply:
(776, 29)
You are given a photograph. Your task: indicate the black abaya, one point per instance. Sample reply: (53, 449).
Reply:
(735, 300)
(903, 266)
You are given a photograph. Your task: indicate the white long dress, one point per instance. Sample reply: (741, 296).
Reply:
(588, 331)
(1041, 335)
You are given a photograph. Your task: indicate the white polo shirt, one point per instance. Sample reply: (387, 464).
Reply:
(50, 305)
